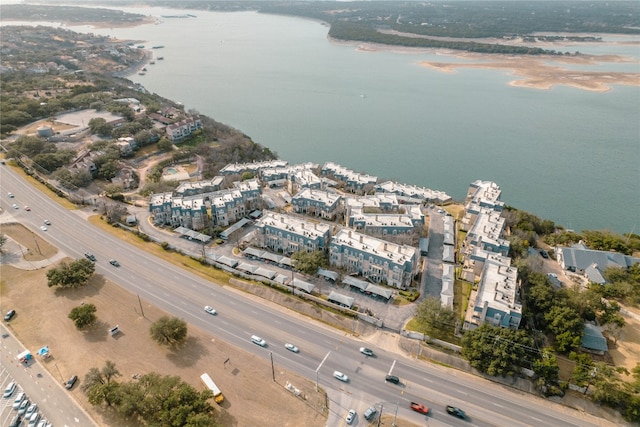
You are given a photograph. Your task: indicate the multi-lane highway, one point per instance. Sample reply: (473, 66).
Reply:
(184, 294)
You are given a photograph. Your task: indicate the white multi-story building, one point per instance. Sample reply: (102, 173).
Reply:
(413, 194)
(316, 202)
(288, 234)
(497, 300)
(373, 258)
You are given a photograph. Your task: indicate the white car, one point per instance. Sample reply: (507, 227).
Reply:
(11, 387)
(23, 406)
(19, 398)
(11, 195)
(291, 347)
(47, 222)
(342, 377)
(32, 409)
(257, 340)
(209, 309)
(15, 206)
(350, 416)
(43, 228)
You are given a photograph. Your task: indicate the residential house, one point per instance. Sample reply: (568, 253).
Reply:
(592, 340)
(591, 263)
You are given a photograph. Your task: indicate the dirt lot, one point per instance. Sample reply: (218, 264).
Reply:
(252, 398)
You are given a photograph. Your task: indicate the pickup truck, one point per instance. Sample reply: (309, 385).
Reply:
(419, 407)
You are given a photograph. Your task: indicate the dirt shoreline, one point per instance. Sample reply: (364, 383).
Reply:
(541, 72)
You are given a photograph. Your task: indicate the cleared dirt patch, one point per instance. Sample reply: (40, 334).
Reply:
(252, 397)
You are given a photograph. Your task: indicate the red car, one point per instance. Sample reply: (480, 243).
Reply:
(419, 407)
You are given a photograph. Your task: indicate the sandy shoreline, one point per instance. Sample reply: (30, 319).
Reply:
(541, 72)
(544, 72)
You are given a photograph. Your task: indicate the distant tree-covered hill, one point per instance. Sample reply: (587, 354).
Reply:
(412, 23)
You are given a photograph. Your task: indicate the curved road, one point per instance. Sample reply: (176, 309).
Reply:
(183, 294)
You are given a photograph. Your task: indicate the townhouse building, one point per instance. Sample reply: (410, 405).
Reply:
(294, 177)
(189, 212)
(354, 181)
(497, 300)
(288, 234)
(253, 167)
(190, 188)
(180, 130)
(486, 233)
(198, 210)
(375, 259)
(320, 203)
(387, 224)
(377, 203)
(412, 194)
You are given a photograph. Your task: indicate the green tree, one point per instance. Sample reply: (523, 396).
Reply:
(433, 316)
(497, 351)
(108, 169)
(99, 126)
(83, 315)
(3, 240)
(100, 385)
(170, 331)
(582, 373)
(309, 262)
(567, 326)
(72, 275)
(166, 401)
(165, 145)
(547, 371)
(72, 180)
(608, 388)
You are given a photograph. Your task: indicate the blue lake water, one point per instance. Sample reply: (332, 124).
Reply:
(565, 154)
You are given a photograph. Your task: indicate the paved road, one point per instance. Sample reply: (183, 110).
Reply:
(183, 294)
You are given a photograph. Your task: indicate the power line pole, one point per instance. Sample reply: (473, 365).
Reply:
(273, 371)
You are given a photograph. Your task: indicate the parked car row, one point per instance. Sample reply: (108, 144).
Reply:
(27, 411)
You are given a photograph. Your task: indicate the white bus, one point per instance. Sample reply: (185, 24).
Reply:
(208, 382)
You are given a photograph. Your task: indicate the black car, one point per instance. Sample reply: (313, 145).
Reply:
(90, 256)
(456, 412)
(544, 254)
(9, 315)
(392, 379)
(69, 384)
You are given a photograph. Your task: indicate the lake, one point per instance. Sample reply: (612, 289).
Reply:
(565, 154)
